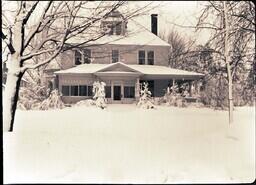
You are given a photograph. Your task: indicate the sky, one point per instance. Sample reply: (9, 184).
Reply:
(177, 12)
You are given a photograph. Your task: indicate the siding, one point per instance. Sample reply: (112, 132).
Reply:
(127, 54)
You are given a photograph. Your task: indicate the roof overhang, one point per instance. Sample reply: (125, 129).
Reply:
(120, 69)
(118, 73)
(172, 76)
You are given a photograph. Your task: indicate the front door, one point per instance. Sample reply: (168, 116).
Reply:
(117, 92)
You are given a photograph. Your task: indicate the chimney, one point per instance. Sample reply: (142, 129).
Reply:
(154, 23)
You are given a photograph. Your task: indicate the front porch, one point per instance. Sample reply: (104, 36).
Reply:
(123, 82)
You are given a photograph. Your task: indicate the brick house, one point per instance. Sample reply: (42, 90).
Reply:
(128, 55)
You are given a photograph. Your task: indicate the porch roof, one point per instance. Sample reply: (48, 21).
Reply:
(148, 71)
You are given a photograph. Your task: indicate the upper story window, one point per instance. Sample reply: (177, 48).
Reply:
(115, 56)
(87, 56)
(150, 57)
(82, 57)
(78, 57)
(141, 57)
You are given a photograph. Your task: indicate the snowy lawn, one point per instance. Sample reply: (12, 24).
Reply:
(125, 144)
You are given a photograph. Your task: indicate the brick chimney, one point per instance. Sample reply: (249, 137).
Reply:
(154, 23)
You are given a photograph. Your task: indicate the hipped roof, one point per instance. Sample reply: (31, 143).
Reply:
(149, 70)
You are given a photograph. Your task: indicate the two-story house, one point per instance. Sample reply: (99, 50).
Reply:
(128, 55)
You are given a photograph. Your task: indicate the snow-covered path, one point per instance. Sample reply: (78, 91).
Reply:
(124, 144)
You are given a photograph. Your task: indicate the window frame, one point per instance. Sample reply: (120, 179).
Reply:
(140, 58)
(71, 93)
(112, 56)
(62, 87)
(151, 58)
(131, 93)
(76, 56)
(120, 25)
(79, 90)
(87, 54)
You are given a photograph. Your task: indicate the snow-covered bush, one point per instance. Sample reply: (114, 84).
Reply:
(52, 102)
(173, 97)
(158, 100)
(30, 97)
(88, 102)
(99, 94)
(145, 100)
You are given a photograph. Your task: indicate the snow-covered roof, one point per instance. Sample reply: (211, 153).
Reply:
(136, 34)
(150, 70)
(162, 70)
(82, 69)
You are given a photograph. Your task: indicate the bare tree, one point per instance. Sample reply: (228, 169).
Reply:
(56, 22)
(179, 46)
(232, 23)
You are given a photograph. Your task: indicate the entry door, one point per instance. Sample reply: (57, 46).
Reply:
(117, 92)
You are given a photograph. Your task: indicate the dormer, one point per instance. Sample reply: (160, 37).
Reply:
(114, 24)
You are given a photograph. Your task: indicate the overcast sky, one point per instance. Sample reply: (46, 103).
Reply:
(179, 12)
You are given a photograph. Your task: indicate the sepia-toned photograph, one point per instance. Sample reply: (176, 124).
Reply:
(128, 92)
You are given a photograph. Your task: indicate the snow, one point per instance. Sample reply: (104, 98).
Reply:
(126, 144)
(136, 35)
(83, 68)
(162, 70)
(143, 69)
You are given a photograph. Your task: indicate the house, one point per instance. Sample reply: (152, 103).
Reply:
(124, 58)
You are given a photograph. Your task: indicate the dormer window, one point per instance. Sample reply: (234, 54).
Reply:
(114, 24)
(118, 29)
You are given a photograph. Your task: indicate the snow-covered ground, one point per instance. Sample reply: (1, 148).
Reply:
(124, 144)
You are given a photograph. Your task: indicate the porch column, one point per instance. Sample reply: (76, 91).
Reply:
(190, 88)
(173, 84)
(112, 90)
(137, 89)
(122, 91)
(197, 87)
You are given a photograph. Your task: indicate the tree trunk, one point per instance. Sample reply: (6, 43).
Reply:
(11, 96)
(227, 58)
(230, 96)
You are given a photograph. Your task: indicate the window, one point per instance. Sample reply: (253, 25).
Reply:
(129, 92)
(115, 56)
(141, 57)
(82, 90)
(77, 90)
(87, 56)
(118, 28)
(78, 57)
(65, 90)
(110, 28)
(150, 57)
(89, 90)
(108, 91)
(74, 90)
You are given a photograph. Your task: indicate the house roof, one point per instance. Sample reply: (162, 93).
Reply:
(148, 70)
(136, 34)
